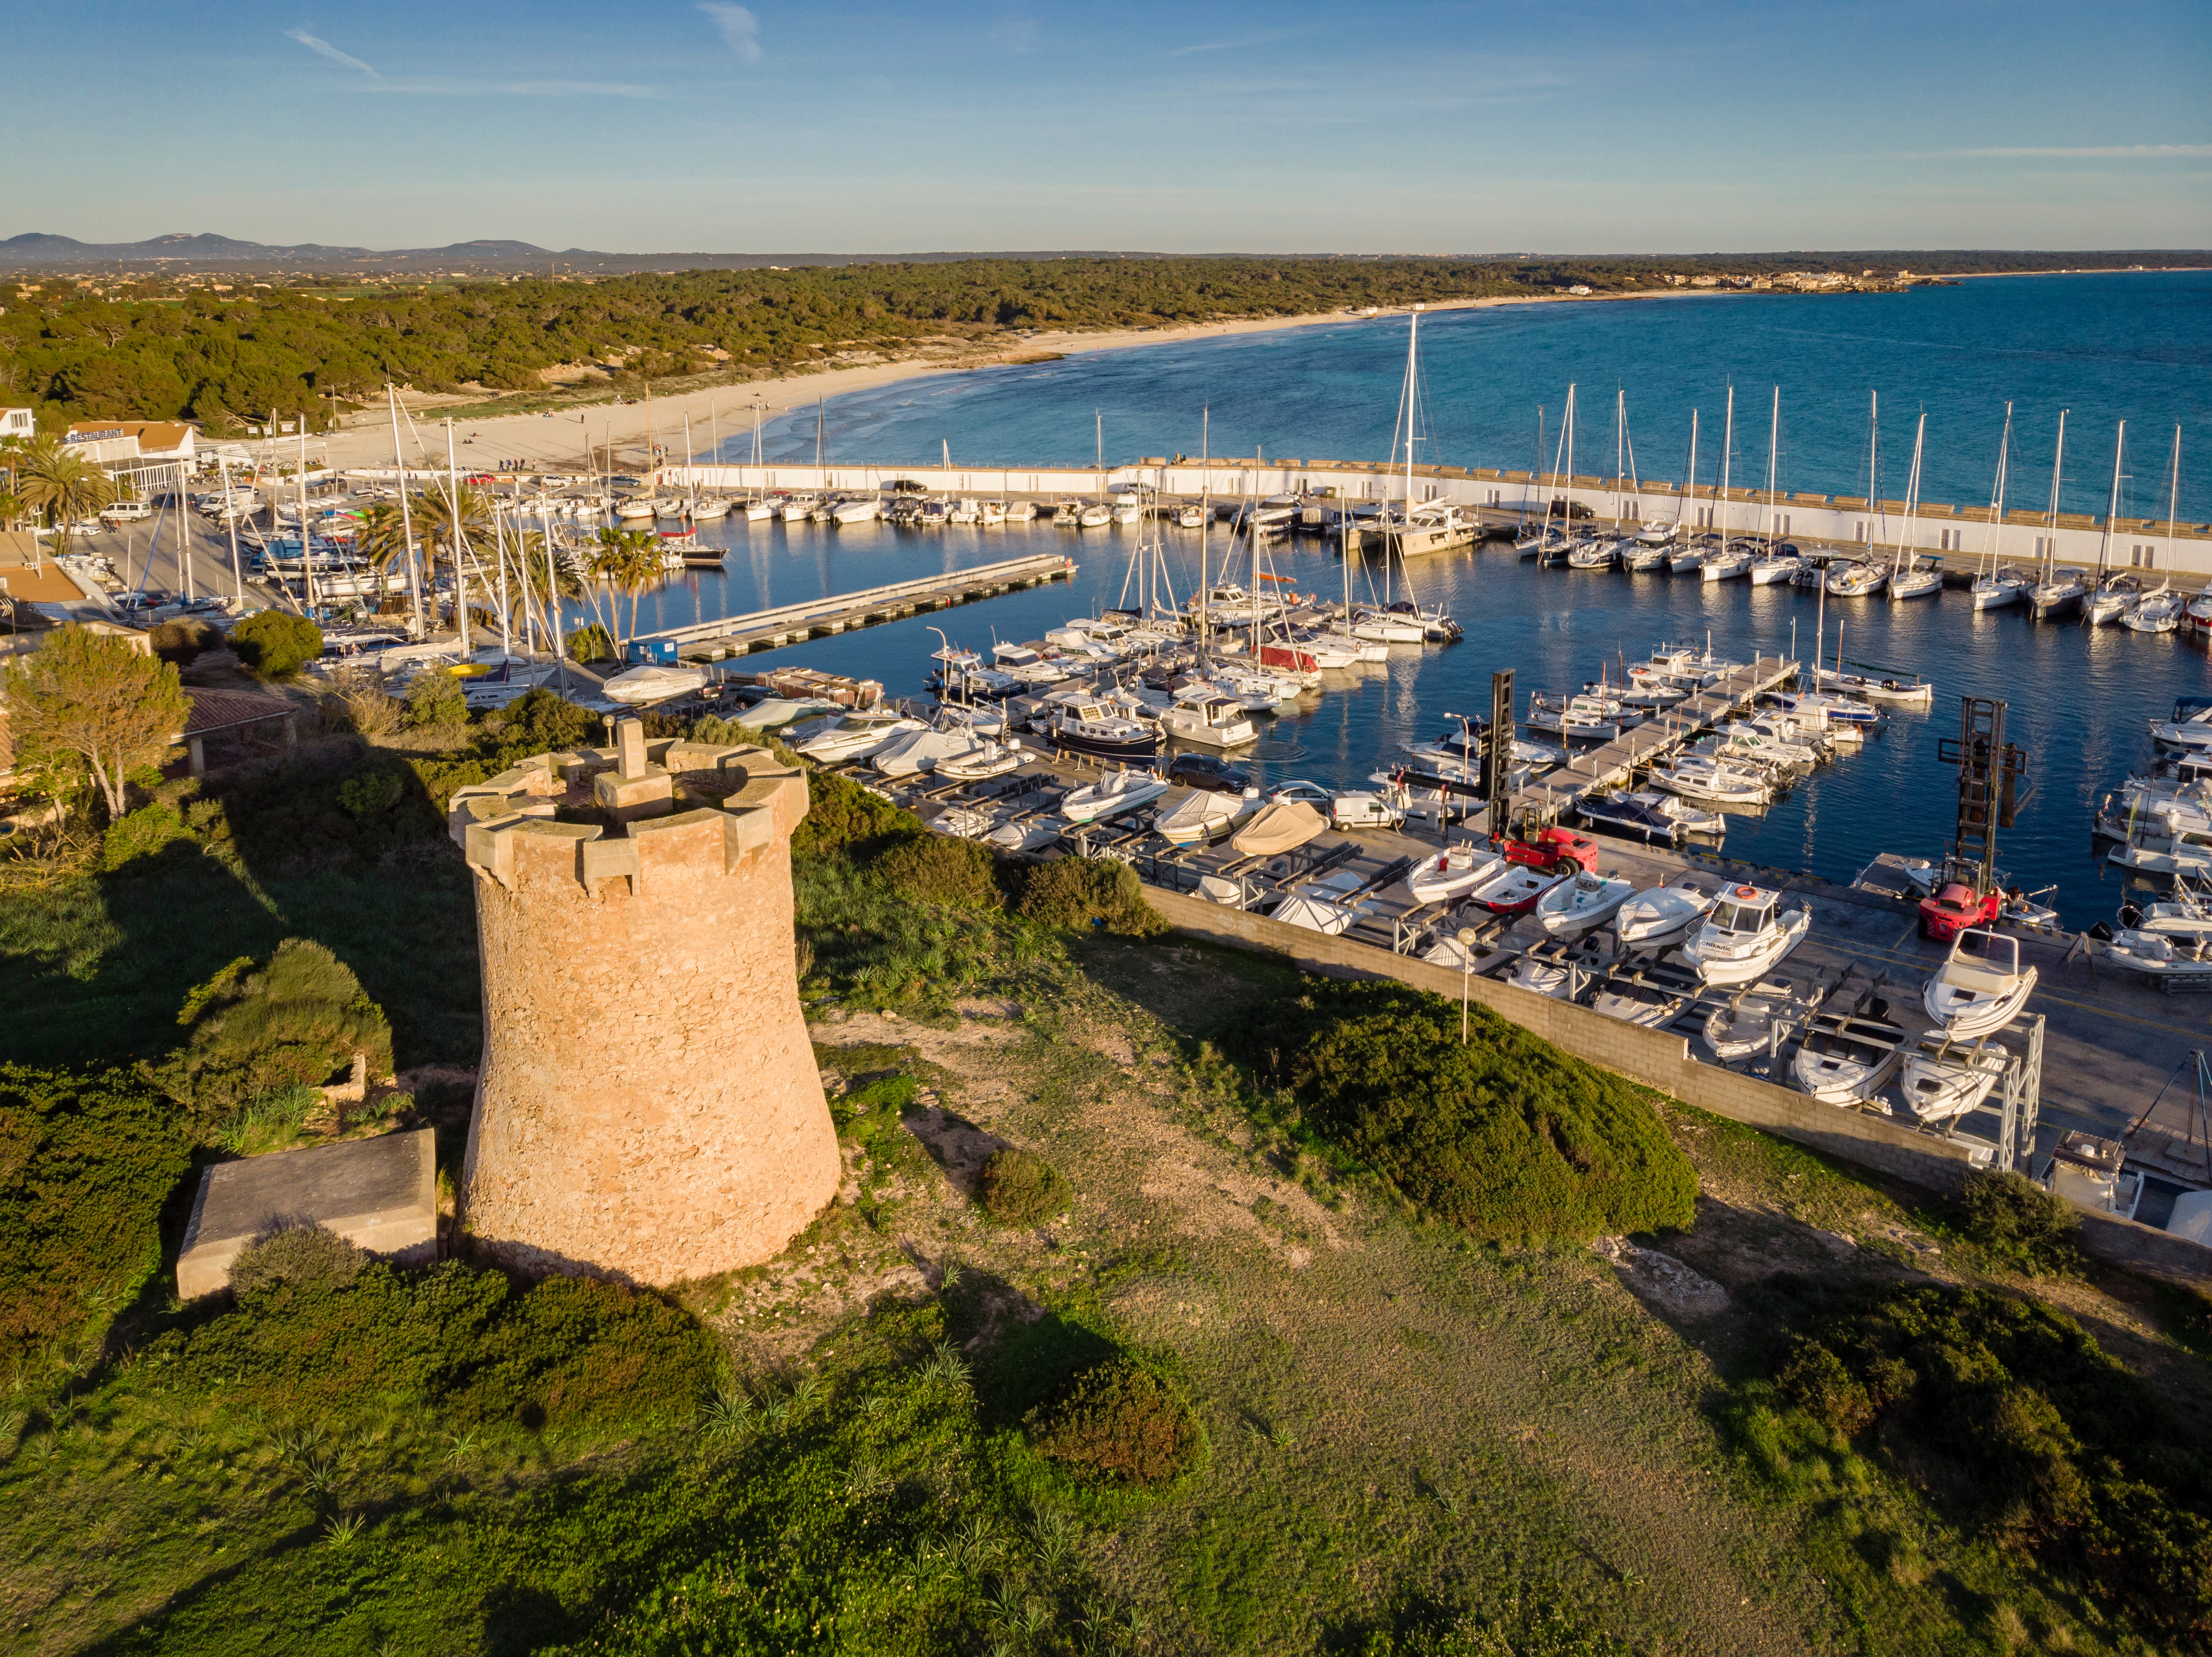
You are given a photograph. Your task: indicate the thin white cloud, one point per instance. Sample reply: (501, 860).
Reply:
(519, 90)
(2102, 153)
(740, 29)
(1227, 46)
(323, 48)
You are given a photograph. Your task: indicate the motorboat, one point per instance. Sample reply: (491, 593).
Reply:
(1583, 903)
(1697, 777)
(639, 687)
(1092, 726)
(2189, 730)
(917, 752)
(1513, 888)
(797, 509)
(1664, 916)
(1658, 534)
(1209, 719)
(1582, 717)
(846, 737)
(1021, 512)
(2059, 594)
(1907, 692)
(772, 713)
(2001, 588)
(1765, 743)
(1591, 553)
(2157, 955)
(1093, 517)
(1893, 874)
(1327, 905)
(1856, 579)
(986, 760)
(1628, 815)
(1753, 1020)
(1279, 826)
(1848, 1060)
(1643, 557)
(1114, 794)
(1451, 873)
(1942, 1078)
(1634, 997)
(1981, 987)
(1031, 836)
(1189, 517)
(1745, 936)
(961, 822)
(1695, 824)
(1203, 814)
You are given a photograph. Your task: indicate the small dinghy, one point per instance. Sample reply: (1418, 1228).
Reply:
(1032, 836)
(1847, 1060)
(1588, 901)
(961, 822)
(1744, 1027)
(1112, 796)
(1512, 888)
(1634, 999)
(990, 760)
(1664, 916)
(1451, 873)
(1943, 1079)
(1744, 938)
(1981, 988)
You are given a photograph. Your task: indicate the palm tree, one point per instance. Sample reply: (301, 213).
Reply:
(627, 560)
(382, 540)
(63, 482)
(455, 519)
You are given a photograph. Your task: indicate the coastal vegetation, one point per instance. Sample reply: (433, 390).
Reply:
(1178, 1303)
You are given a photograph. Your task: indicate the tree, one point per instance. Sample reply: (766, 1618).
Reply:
(89, 699)
(383, 539)
(276, 644)
(454, 515)
(52, 478)
(627, 560)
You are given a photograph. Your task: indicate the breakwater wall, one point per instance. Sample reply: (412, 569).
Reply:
(1959, 535)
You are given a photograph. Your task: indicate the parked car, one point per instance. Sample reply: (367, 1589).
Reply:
(1210, 772)
(1343, 810)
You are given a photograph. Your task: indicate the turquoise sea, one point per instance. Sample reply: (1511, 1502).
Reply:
(2133, 346)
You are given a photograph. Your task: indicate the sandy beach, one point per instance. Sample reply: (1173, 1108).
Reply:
(562, 440)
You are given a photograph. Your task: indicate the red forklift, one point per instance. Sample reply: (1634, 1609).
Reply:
(1968, 893)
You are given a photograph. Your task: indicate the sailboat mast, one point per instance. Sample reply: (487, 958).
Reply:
(2173, 496)
(406, 519)
(1773, 453)
(2112, 506)
(1620, 447)
(1689, 500)
(1874, 473)
(1991, 542)
(1205, 519)
(1903, 560)
(2058, 466)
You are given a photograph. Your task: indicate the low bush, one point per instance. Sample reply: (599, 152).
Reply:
(467, 1344)
(434, 701)
(842, 816)
(371, 794)
(255, 1032)
(296, 1254)
(937, 869)
(536, 721)
(181, 641)
(87, 1160)
(1084, 892)
(1020, 1188)
(274, 645)
(1119, 1423)
(2007, 1415)
(359, 702)
(1503, 1136)
(2012, 1222)
(140, 835)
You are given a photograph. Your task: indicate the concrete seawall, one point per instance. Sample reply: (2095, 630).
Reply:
(1662, 1061)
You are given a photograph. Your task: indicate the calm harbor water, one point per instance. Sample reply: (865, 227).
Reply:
(2106, 347)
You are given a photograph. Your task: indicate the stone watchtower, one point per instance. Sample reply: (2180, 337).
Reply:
(649, 1107)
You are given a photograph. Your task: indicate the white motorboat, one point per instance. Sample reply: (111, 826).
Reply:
(1751, 1022)
(2156, 954)
(1113, 796)
(1583, 903)
(1093, 517)
(961, 822)
(860, 511)
(1509, 888)
(1664, 916)
(1021, 512)
(1696, 777)
(777, 711)
(1451, 873)
(1326, 905)
(1034, 834)
(973, 717)
(917, 752)
(1644, 558)
(1744, 937)
(1981, 988)
(1943, 1078)
(1635, 999)
(853, 736)
(1209, 719)
(1205, 814)
(1189, 517)
(1658, 534)
(1844, 1060)
(639, 687)
(988, 760)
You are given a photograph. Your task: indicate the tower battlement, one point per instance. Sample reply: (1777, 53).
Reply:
(648, 1107)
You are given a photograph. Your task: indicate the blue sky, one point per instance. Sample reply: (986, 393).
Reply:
(672, 124)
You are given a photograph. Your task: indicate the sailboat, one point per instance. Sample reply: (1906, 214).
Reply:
(2117, 592)
(1558, 546)
(1907, 580)
(1733, 558)
(1653, 539)
(2061, 589)
(1527, 542)
(1435, 525)
(1685, 561)
(1861, 578)
(1773, 566)
(1998, 585)
(2161, 612)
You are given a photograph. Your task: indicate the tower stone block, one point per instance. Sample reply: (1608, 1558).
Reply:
(648, 1107)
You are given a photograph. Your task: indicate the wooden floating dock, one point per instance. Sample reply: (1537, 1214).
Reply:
(841, 613)
(1613, 765)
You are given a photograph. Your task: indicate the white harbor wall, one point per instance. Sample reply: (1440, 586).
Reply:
(1957, 535)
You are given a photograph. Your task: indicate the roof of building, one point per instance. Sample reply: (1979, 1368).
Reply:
(224, 710)
(151, 434)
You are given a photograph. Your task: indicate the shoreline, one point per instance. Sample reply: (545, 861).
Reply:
(561, 440)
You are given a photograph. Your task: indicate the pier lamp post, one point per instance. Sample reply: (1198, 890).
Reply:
(1467, 936)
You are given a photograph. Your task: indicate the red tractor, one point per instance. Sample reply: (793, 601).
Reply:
(1954, 907)
(1550, 849)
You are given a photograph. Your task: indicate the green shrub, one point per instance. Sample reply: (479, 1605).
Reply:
(434, 701)
(257, 1032)
(1020, 1188)
(1504, 1136)
(2013, 1221)
(180, 640)
(87, 1160)
(1082, 892)
(590, 643)
(371, 794)
(2010, 1417)
(537, 721)
(937, 869)
(274, 645)
(1119, 1423)
(268, 1122)
(296, 1254)
(144, 833)
(842, 816)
